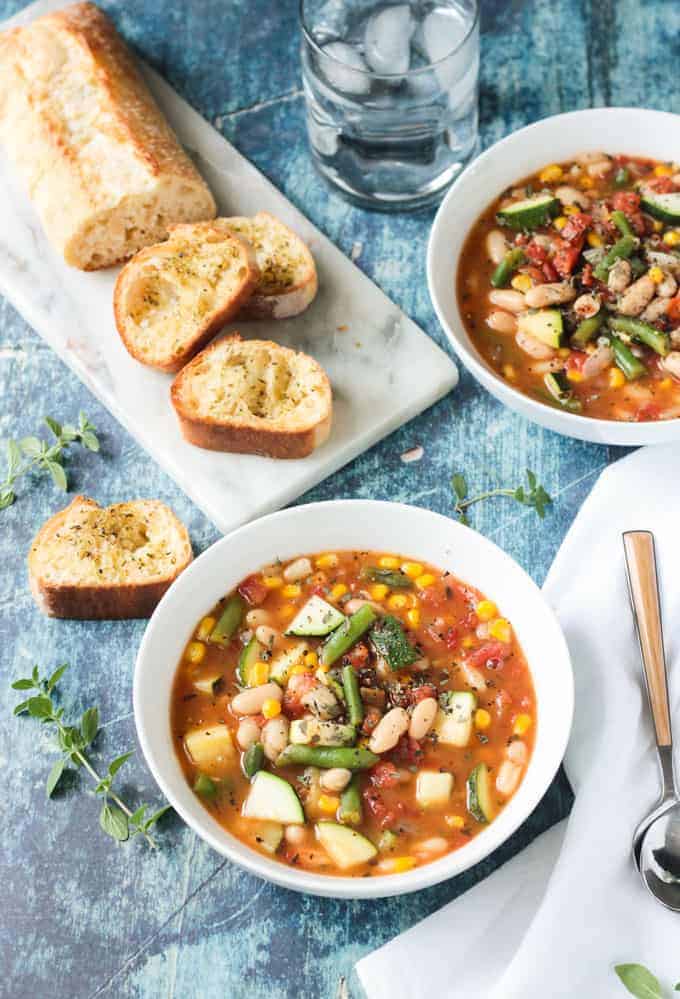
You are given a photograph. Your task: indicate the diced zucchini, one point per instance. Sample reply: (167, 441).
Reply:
(560, 389)
(205, 786)
(211, 748)
(317, 618)
(314, 732)
(479, 801)
(281, 665)
(346, 847)
(545, 325)
(665, 207)
(272, 798)
(328, 680)
(207, 684)
(229, 620)
(249, 656)
(531, 212)
(268, 835)
(453, 724)
(433, 789)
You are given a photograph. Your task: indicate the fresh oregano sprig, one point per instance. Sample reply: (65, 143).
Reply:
(115, 818)
(533, 495)
(35, 454)
(640, 981)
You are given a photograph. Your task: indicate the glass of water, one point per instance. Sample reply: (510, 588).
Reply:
(391, 91)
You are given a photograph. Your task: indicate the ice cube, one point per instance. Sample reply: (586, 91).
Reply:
(345, 68)
(387, 39)
(441, 32)
(330, 22)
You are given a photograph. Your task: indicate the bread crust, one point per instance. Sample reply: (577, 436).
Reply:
(213, 323)
(239, 437)
(104, 601)
(38, 63)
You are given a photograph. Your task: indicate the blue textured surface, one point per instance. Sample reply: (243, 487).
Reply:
(82, 917)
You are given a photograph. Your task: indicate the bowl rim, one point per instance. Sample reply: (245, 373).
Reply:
(583, 427)
(449, 865)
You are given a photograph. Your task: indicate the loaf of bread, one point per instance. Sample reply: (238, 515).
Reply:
(253, 397)
(105, 172)
(91, 562)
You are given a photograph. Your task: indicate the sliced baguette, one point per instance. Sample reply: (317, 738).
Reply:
(171, 298)
(90, 562)
(288, 281)
(253, 397)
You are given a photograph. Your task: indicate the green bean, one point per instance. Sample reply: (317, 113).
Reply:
(253, 758)
(621, 250)
(508, 265)
(643, 333)
(355, 707)
(626, 360)
(587, 330)
(395, 579)
(327, 757)
(349, 812)
(230, 619)
(204, 786)
(621, 223)
(344, 637)
(622, 177)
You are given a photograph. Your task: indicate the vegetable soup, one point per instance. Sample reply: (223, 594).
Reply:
(568, 287)
(354, 712)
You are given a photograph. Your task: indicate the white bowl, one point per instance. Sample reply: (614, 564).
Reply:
(353, 524)
(632, 131)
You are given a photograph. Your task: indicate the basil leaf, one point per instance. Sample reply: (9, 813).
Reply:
(89, 725)
(639, 981)
(54, 777)
(114, 822)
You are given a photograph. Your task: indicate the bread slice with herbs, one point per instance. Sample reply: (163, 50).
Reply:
(89, 562)
(171, 298)
(253, 397)
(288, 281)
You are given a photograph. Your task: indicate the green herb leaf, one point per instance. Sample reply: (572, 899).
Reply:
(156, 816)
(54, 777)
(138, 815)
(90, 440)
(40, 706)
(114, 822)
(23, 685)
(54, 426)
(13, 458)
(115, 765)
(535, 497)
(68, 434)
(31, 446)
(390, 643)
(7, 497)
(58, 475)
(20, 708)
(89, 725)
(459, 486)
(639, 981)
(56, 677)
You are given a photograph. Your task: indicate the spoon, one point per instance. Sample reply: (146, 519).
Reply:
(656, 841)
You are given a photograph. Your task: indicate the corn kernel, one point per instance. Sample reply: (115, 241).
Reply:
(205, 628)
(271, 708)
(468, 642)
(500, 629)
(550, 174)
(339, 590)
(482, 718)
(397, 601)
(666, 383)
(571, 209)
(657, 225)
(259, 673)
(388, 562)
(324, 667)
(328, 803)
(574, 376)
(400, 864)
(521, 282)
(656, 274)
(195, 652)
(617, 379)
(299, 669)
(522, 724)
(311, 659)
(594, 239)
(455, 821)
(328, 561)
(413, 617)
(286, 611)
(662, 170)
(672, 238)
(427, 579)
(564, 352)
(379, 591)
(586, 181)
(272, 582)
(291, 590)
(485, 610)
(510, 372)
(412, 569)
(560, 222)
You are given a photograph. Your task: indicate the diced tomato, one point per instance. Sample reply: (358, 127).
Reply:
(566, 256)
(385, 815)
(576, 360)
(662, 185)
(576, 226)
(627, 202)
(549, 272)
(384, 774)
(259, 720)
(371, 719)
(491, 652)
(253, 590)
(357, 656)
(297, 687)
(407, 750)
(502, 702)
(433, 597)
(587, 279)
(535, 273)
(521, 239)
(470, 621)
(418, 694)
(673, 312)
(536, 253)
(451, 638)
(648, 412)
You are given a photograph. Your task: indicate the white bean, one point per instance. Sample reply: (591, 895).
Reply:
(254, 618)
(249, 702)
(668, 287)
(436, 844)
(389, 731)
(275, 737)
(534, 348)
(266, 636)
(619, 276)
(508, 777)
(638, 296)
(657, 308)
(321, 701)
(295, 835)
(671, 363)
(586, 306)
(299, 569)
(517, 752)
(511, 301)
(473, 677)
(549, 294)
(496, 247)
(335, 779)
(501, 322)
(600, 168)
(423, 718)
(600, 359)
(247, 733)
(570, 196)
(353, 605)
(585, 158)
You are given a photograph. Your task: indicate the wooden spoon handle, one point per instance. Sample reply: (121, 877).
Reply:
(643, 586)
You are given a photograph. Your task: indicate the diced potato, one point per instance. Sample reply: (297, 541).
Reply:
(433, 789)
(207, 684)
(211, 748)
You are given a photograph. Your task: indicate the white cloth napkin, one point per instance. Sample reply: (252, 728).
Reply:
(555, 919)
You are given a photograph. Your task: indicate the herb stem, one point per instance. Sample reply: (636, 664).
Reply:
(111, 794)
(464, 504)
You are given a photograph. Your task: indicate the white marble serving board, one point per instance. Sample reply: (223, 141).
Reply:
(383, 368)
